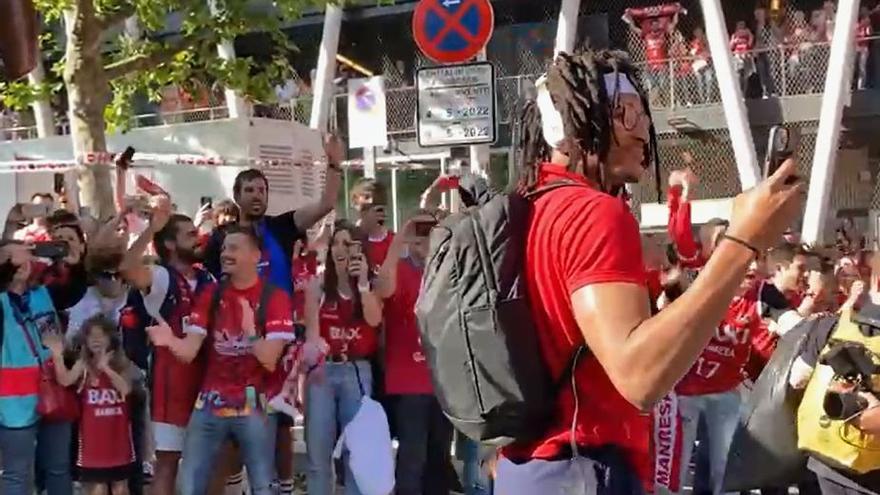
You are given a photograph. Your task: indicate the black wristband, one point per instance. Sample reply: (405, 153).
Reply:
(742, 243)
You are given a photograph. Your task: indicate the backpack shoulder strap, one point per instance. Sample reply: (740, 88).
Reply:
(265, 295)
(215, 304)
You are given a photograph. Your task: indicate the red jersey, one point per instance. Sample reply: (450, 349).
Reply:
(720, 367)
(656, 52)
(741, 42)
(579, 236)
(347, 336)
(406, 371)
(303, 269)
(175, 384)
(232, 368)
(105, 426)
(377, 249)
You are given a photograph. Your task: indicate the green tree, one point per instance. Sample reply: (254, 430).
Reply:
(102, 68)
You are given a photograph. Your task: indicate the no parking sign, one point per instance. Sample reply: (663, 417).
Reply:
(452, 31)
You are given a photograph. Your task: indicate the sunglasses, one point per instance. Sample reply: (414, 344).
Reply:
(109, 276)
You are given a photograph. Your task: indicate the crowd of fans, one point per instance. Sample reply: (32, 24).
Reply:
(193, 344)
(770, 50)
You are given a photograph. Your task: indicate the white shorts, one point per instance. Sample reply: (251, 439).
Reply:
(168, 437)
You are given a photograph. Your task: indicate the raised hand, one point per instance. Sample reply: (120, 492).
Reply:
(161, 213)
(104, 359)
(248, 318)
(761, 214)
(55, 344)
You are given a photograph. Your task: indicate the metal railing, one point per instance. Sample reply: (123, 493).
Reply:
(784, 70)
(672, 83)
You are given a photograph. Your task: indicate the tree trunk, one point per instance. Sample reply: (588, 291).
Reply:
(88, 95)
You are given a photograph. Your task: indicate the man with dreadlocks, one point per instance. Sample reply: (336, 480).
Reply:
(591, 129)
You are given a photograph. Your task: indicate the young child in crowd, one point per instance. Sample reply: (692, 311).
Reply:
(105, 457)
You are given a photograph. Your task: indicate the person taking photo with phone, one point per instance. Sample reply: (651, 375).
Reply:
(29, 445)
(423, 432)
(591, 126)
(342, 313)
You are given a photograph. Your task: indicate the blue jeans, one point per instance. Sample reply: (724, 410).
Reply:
(204, 438)
(602, 471)
(335, 396)
(424, 437)
(721, 414)
(46, 443)
(475, 479)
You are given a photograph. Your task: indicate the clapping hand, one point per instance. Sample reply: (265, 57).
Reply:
(248, 318)
(55, 344)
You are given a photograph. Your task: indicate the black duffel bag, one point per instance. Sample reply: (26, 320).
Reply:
(764, 452)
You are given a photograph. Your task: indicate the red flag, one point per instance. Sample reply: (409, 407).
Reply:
(149, 187)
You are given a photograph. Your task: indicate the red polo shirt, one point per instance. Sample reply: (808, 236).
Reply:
(579, 236)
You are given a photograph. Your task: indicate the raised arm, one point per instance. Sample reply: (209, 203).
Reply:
(120, 383)
(133, 269)
(385, 284)
(680, 228)
(628, 19)
(615, 318)
(309, 215)
(66, 377)
(371, 302)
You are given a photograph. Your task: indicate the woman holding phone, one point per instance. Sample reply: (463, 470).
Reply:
(341, 317)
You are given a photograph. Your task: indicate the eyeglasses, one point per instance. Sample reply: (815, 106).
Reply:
(629, 116)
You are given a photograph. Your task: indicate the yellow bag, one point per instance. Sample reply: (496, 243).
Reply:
(839, 442)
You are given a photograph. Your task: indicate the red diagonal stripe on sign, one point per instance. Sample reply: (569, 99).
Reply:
(453, 22)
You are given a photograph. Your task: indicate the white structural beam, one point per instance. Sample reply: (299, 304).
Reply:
(566, 30)
(731, 95)
(43, 116)
(323, 83)
(238, 107)
(837, 90)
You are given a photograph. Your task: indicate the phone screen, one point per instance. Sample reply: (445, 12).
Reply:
(51, 250)
(206, 201)
(781, 145)
(355, 249)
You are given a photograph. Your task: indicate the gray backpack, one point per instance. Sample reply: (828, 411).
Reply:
(476, 325)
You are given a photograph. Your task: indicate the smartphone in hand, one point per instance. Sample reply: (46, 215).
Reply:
(54, 250)
(782, 144)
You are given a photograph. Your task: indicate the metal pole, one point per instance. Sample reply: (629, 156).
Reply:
(480, 155)
(837, 90)
(369, 162)
(323, 84)
(566, 31)
(395, 215)
(731, 95)
(43, 115)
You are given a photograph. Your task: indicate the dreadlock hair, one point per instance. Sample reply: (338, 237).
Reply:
(577, 87)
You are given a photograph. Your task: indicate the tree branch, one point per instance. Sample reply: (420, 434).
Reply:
(111, 19)
(141, 62)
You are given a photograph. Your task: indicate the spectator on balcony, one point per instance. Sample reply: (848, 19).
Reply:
(655, 31)
(768, 38)
(864, 31)
(829, 11)
(683, 85)
(798, 42)
(702, 66)
(742, 41)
